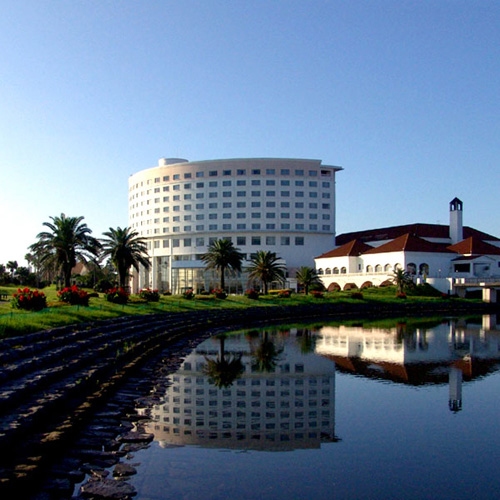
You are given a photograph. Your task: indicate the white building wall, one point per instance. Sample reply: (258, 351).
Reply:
(282, 205)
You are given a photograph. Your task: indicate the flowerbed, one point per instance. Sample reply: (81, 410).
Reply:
(252, 294)
(219, 293)
(29, 300)
(149, 295)
(74, 296)
(116, 295)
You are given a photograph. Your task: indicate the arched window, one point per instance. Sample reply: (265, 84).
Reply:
(378, 268)
(423, 269)
(333, 287)
(328, 271)
(398, 266)
(411, 268)
(320, 272)
(369, 269)
(387, 268)
(335, 270)
(343, 270)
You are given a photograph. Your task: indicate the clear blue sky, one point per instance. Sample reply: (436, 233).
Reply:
(403, 94)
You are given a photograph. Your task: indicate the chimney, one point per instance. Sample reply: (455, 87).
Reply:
(456, 223)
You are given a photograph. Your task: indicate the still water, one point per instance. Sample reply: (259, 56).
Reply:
(404, 411)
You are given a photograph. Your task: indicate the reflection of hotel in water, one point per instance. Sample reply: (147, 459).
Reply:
(292, 407)
(446, 353)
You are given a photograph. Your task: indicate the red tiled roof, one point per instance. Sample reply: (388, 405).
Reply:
(474, 246)
(421, 230)
(410, 243)
(351, 248)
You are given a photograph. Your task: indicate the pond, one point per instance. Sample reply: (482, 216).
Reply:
(399, 410)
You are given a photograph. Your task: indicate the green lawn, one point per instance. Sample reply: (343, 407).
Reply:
(15, 321)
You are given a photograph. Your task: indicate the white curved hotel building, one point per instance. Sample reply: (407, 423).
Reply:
(285, 206)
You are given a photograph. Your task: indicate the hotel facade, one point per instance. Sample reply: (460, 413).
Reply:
(179, 207)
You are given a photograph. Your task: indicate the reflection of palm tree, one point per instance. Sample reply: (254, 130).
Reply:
(265, 357)
(223, 371)
(307, 341)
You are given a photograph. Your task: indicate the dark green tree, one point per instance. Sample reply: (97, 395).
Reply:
(222, 255)
(306, 277)
(266, 356)
(125, 249)
(68, 241)
(266, 267)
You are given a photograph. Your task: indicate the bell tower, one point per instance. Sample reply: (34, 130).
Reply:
(456, 221)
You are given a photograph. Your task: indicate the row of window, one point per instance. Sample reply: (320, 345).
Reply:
(239, 227)
(239, 436)
(239, 172)
(240, 241)
(239, 194)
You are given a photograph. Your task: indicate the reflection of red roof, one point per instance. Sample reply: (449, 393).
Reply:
(474, 246)
(352, 248)
(421, 230)
(410, 243)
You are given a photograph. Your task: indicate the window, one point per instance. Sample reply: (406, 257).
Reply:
(241, 183)
(212, 216)
(285, 204)
(241, 240)
(285, 193)
(326, 217)
(212, 173)
(241, 227)
(299, 227)
(199, 206)
(325, 206)
(241, 215)
(176, 243)
(176, 187)
(187, 196)
(240, 172)
(270, 204)
(299, 194)
(285, 240)
(187, 185)
(313, 173)
(285, 183)
(270, 193)
(241, 193)
(255, 240)
(256, 171)
(226, 204)
(270, 215)
(200, 242)
(187, 242)
(226, 194)
(241, 204)
(212, 184)
(271, 227)
(200, 185)
(212, 206)
(256, 227)
(299, 240)
(226, 172)
(226, 227)
(212, 195)
(255, 215)
(285, 226)
(212, 227)
(166, 178)
(325, 184)
(255, 193)
(313, 227)
(299, 183)
(270, 171)
(176, 208)
(270, 182)
(187, 218)
(313, 194)
(227, 215)
(200, 227)
(285, 215)
(270, 240)
(299, 216)
(285, 171)
(199, 196)
(176, 177)
(200, 174)
(166, 188)
(299, 172)
(314, 206)
(313, 184)
(255, 204)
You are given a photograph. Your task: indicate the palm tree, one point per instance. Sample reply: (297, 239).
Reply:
(402, 280)
(223, 371)
(266, 356)
(222, 255)
(126, 249)
(12, 265)
(67, 242)
(307, 276)
(266, 267)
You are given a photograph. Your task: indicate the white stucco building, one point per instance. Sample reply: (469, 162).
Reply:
(439, 254)
(285, 206)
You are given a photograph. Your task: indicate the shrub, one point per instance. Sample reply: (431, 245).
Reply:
(149, 295)
(74, 296)
(219, 293)
(103, 286)
(252, 294)
(317, 294)
(357, 295)
(284, 294)
(401, 295)
(29, 300)
(116, 295)
(188, 294)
